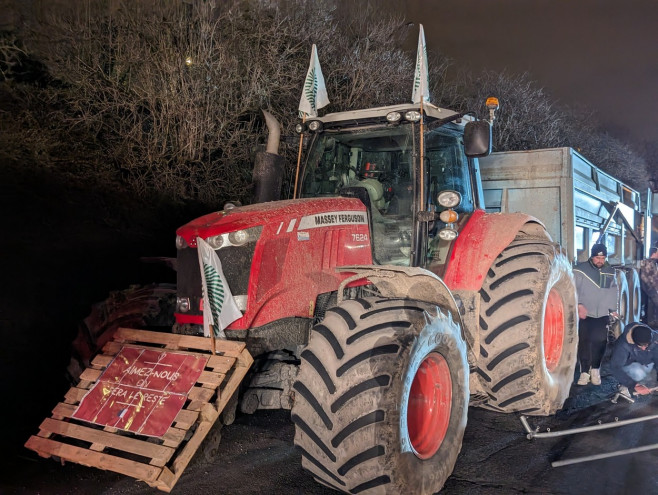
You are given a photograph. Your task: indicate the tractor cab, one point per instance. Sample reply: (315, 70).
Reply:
(420, 184)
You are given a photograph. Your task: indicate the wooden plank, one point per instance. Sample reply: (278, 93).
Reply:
(208, 378)
(102, 360)
(74, 395)
(221, 364)
(186, 418)
(47, 447)
(227, 347)
(159, 454)
(166, 458)
(90, 374)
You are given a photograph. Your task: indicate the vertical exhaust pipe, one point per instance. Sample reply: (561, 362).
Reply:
(268, 165)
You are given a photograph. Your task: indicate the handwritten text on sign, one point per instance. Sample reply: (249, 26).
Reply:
(141, 391)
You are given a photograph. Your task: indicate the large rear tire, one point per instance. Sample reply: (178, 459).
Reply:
(528, 329)
(381, 398)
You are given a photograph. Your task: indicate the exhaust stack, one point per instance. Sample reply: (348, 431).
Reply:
(268, 166)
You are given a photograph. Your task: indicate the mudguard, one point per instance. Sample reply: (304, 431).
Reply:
(479, 243)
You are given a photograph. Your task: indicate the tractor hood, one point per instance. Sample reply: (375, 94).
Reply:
(298, 214)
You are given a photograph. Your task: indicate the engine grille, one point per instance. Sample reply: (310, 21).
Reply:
(236, 265)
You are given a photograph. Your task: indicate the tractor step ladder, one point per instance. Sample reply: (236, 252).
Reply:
(159, 462)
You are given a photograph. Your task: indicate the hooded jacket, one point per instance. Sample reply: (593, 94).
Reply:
(625, 352)
(597, 288)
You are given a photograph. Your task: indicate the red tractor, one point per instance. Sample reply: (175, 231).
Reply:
(383, 300)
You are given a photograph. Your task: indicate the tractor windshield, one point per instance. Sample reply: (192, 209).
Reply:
(381, 160)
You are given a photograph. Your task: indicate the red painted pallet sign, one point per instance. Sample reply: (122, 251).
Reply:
(141, 391)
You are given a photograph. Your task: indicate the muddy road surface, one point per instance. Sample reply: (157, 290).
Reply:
(256, 456)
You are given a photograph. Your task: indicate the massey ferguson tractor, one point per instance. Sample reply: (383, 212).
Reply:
(382, 300)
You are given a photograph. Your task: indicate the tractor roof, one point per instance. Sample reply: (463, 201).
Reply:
(430, 110)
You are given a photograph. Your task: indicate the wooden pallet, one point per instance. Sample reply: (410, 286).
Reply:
(157, 461)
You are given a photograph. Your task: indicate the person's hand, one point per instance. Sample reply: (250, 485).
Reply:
(582, 312)
(642, 390)
(615, 314)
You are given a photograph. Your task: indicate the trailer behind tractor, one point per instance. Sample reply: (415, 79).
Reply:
(580, 205)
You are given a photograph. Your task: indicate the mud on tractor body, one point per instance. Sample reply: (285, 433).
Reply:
(382, 300)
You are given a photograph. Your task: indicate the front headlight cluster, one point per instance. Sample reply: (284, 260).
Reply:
(409, 116)
(236, 238)
(311, 125)
(449, 200)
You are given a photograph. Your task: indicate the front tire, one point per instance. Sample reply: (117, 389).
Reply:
(382, 397)
(528, 329)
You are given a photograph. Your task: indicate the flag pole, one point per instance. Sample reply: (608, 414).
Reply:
(299, 158)
(213, 342)
(422, 150)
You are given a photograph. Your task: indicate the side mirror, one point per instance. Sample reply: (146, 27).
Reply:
(477, 139)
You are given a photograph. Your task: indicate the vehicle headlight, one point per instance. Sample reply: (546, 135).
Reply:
(180, 242)
(412, 116)
(315, 125)
(243, 236)
(448, 216)
(393, 116)
(215, 241)
(449, 199)
(299, 128)
(239, 237)
(448, 234)
(183, 304)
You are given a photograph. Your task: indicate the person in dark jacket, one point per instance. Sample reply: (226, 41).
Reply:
(634, 355)
(598, 296)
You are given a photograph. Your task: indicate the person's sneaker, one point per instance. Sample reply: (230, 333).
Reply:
(596, 376)
(623, 390)
(584, 379)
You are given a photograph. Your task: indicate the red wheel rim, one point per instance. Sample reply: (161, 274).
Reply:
(430, 403)
(553, 330)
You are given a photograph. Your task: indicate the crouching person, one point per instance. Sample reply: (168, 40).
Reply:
(634, 355)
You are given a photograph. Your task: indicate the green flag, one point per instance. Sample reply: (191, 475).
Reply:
(314, 94)
(219, 307)
(421, 76)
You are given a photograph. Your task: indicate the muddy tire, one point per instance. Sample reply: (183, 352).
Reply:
(635, 295)
(142, 307)
(381, 397)
(624, 298)
(624, 308)
(528, 329)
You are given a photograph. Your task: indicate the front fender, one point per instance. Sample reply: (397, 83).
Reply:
(479, 243)
(404, 282)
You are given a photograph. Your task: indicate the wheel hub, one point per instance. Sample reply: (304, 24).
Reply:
(430, 404)
(553, 330)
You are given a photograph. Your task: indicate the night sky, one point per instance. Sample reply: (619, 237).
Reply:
(600, 53)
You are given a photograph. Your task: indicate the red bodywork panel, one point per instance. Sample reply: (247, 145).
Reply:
(479, 243)
(301, 244)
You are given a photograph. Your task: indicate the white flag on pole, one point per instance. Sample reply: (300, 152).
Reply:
(314, 94)
(421, 76)
(219, 307)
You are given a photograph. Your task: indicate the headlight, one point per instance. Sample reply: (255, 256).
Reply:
(180, 242)
(448, 234)
(448, 216)
(215, 241)
(393, 116)
(412, 116)
(183, 304)
(239, 237)
(299, 128)
(449, 199)
(315, 125)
